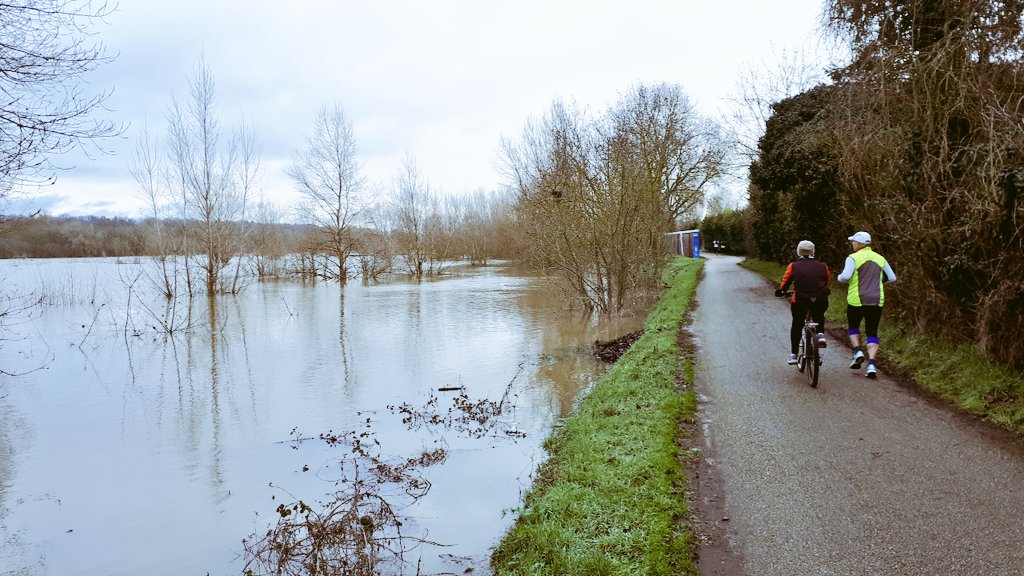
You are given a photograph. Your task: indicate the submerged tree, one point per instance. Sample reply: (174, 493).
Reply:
(411, 208)
(327, 174)
(162, 239)
(215, 181)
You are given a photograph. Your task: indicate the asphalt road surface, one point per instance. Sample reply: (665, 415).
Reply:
(855, 477)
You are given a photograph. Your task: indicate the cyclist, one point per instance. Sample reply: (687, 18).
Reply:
(868, 273)
(810, 279)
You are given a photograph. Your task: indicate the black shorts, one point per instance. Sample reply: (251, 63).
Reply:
(871, 315)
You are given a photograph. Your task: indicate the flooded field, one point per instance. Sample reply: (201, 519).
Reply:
(137, 438)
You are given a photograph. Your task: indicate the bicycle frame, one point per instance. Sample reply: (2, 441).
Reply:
(808, 359)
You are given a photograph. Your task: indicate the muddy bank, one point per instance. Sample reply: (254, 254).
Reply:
(611, 350)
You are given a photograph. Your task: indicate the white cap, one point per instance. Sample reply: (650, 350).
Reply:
(861, 237)
(805, 248)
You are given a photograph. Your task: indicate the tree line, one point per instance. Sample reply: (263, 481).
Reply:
(478, 231)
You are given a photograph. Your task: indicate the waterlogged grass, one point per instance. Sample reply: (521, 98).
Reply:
(610, 499)
(960, 374)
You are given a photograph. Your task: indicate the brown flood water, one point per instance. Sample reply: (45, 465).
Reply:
(123, 451)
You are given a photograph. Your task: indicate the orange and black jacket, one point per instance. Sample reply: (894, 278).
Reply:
(809, 278)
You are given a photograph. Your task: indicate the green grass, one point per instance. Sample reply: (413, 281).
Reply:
(610, 499)
(957, 373)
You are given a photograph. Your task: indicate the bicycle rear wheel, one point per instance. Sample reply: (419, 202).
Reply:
(812, 358)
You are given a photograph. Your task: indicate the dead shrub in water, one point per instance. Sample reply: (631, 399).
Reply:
(475, 418)
(357, 530)
(17, 310)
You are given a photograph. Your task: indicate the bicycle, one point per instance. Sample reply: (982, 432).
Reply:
(808, 357)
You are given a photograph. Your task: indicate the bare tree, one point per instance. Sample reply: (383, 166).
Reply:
(550, 167)
(596, 195)
(246, 193)
(44, 107)
(377, 253)
(677, 152)
(327, 174)
(441, 233)
(214, 178)
(163, 242)
(411, 207)
(761, 86)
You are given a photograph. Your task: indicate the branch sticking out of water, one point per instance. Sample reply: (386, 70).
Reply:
(93, 324)
(356, 530)
(473, 417)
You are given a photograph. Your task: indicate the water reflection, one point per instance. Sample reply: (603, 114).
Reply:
(343, 351)
(144, 440)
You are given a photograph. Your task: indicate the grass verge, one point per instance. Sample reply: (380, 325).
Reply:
(957, 373)
(610, 500)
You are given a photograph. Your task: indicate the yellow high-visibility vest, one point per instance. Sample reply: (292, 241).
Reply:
(867, 285)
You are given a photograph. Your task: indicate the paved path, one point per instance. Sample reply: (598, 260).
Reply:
(855, 477)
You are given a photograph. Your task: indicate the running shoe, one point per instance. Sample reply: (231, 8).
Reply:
(821, 341)
(858, 359)
(871, 372)
(792, 359)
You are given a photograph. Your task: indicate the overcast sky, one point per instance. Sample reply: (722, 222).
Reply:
(443, 80)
